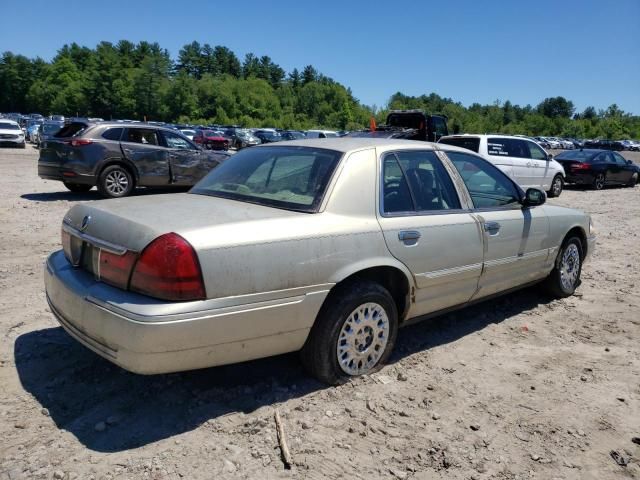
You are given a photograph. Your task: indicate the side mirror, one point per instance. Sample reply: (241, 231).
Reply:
(549, 157)
(534, 197)
(629, 162)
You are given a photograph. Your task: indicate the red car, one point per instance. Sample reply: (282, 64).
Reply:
(211, 140)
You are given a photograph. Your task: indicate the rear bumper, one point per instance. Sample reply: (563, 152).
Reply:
(579, 178)
(149, 336)
(53, 171)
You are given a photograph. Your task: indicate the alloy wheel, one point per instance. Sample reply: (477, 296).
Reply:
(599, 181)
(117, 182)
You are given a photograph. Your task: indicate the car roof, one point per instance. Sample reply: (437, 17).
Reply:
(347, 144)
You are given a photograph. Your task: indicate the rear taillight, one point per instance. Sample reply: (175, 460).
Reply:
(116, 269)
(168, 268)
(580, 166)
(80, 142)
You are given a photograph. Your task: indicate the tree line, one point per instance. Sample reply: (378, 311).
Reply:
(210, 84)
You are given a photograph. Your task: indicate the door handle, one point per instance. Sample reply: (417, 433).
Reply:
(409, 237)
(528, 164)
(492, 228)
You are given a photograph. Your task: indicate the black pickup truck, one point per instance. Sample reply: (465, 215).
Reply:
(409, 125)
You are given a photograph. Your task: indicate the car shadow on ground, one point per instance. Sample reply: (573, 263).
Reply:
(94, 195)
(111, 410)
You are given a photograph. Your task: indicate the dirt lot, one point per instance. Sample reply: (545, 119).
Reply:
(518, 388)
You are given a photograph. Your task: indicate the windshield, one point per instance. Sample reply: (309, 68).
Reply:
(292, 178)
(8, 126)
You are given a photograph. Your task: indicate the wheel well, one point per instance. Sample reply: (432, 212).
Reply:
(129, 168)
(579, 232)
(391, 278)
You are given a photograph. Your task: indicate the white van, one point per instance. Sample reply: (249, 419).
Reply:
(321, 134)
(521, 158)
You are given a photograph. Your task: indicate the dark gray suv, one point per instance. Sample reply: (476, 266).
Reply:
(117, 157)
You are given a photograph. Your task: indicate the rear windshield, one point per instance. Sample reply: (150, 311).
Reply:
(71, 130)
(292, 178)
(50, 128)
(579, 155)
(8, 126)
(470, 143)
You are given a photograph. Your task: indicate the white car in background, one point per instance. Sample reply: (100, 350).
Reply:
(187, 132)
(526, 162)
(11, 134)
(553, 142)
(322, 134)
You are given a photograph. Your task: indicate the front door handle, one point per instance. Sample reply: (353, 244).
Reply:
(409, 237)
(492, 228)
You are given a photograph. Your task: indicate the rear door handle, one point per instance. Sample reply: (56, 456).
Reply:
(492, 228)
(409, 237)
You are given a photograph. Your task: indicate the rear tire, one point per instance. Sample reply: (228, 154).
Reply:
(565, 276)
(115, 181)
(557, 185)
(77, 187)
(600, 181)
(354, 334)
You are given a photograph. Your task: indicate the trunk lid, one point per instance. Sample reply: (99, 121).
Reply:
(132, 223)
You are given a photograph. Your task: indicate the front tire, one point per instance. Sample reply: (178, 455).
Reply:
(557, 185)
(633, 181)
(354, 334)
(565, 276)
(77, 187)
(115, 182)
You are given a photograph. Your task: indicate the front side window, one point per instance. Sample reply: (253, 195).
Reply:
(176, 141)
(144, 136)
(536, 152)
(487, 185)
(292, 178)
(440, 127)
(619, 159)
(415, 181)
(507, 147)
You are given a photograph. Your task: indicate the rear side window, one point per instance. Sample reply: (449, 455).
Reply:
(507, 147)
(416, 181)
(144, 136)
(112, 134)
(72, 130)
(470, 143)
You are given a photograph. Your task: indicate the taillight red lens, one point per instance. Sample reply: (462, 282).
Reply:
(116, 269)
(79, 142)
(168, 268)
(580, 166)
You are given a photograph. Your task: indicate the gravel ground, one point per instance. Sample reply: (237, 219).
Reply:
(522, 387)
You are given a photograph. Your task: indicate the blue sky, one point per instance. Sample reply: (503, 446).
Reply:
(469, 50)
